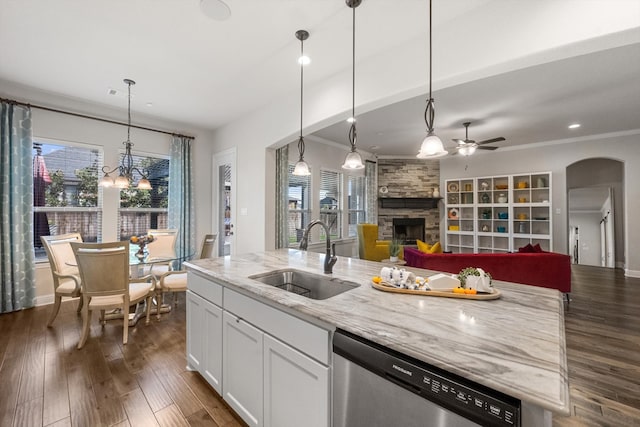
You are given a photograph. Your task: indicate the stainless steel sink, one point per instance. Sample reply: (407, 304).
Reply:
(309, 285)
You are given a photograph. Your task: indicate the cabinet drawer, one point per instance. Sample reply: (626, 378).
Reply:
(308, 338)
(206, 288)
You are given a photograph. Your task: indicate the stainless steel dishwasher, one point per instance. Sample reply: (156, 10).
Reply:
(377, 387)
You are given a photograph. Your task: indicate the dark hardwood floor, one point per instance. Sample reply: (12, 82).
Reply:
(45, 381)
(602, 325)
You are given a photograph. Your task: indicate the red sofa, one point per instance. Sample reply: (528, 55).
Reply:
(546, 269)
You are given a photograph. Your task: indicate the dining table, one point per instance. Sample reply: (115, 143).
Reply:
(137, 266)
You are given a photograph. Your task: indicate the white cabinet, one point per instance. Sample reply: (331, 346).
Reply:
(296, 387)
(204, 339)
(195, 330)
(498, 213)
(242, 368)
(271, 367)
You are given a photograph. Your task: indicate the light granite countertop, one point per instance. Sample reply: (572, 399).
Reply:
(515, 344)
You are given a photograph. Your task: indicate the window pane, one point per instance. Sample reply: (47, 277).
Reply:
(330, 203)
(357, 203)
(66, 198)
(141, 210)
(299, 206)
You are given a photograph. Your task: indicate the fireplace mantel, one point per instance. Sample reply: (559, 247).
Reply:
(409, 202)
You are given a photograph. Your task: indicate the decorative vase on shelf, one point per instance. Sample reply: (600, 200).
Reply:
(486, 198)
(436, 192)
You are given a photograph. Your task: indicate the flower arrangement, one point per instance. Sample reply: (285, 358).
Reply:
(475, 273)
(141, 241)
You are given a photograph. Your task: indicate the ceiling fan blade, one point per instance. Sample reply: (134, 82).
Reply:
(489, 141)
(487, 148)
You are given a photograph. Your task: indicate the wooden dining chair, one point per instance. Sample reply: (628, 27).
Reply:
(162, 247)
(176, 281)
(106, 285)
(66, 279)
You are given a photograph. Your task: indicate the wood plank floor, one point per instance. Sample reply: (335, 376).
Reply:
(602, 325)
(45, 381)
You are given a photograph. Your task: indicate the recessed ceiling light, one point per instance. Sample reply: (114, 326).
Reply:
(149, 104)
(374, 147)
(574, 126)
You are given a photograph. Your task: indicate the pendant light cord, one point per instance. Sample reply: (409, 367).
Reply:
(429, 112)
(129, 82)
(352, 130)
(301, 139)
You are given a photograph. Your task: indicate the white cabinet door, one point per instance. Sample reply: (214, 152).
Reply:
(242, 368)
(296, 388)
(195, 330)
(211, 366)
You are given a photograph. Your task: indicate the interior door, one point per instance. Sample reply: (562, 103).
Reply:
(225, 183)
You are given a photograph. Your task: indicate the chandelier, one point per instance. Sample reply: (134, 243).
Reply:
(125, 168)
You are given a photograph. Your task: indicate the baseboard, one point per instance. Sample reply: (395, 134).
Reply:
(632, 273)
(49, 299)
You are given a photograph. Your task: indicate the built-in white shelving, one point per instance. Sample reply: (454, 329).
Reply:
(498, 213)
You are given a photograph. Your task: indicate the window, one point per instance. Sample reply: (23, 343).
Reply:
(66, 198)
(356, 191)
(141, 210)
(299, 206)
(331, 203)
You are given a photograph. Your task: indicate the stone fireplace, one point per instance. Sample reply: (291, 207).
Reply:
(408, 230)
(409, 186)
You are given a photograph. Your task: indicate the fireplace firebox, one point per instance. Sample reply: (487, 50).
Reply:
(408, 230)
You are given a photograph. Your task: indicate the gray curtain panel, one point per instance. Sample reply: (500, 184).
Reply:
(181, 198)
(17, 264)
(282, 197)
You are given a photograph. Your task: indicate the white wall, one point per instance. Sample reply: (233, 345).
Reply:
(556, 31)
(556, 158)
(56, 126)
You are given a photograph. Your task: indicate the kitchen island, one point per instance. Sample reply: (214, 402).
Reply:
(514, 345)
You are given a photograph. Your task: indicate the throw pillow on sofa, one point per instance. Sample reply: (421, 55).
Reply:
(527, 249)
(426, 248)
(423, 247)
(436, 248)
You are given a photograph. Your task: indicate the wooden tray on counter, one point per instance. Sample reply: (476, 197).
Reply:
(447, 294)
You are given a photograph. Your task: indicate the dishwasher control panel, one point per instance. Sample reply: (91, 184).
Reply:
(453, 394)
(473, 401)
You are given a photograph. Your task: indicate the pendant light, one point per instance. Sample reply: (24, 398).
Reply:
(126, 168)
(353, 161)
(432, 145)
(301, 168)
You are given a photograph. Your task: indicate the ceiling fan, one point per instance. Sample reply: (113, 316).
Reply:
(467, 146)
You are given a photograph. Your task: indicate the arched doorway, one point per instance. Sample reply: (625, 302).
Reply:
(595, 197)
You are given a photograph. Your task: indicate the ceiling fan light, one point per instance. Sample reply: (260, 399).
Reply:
(431, 148)
(353, 161)
(467, 150)
(301, 168)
